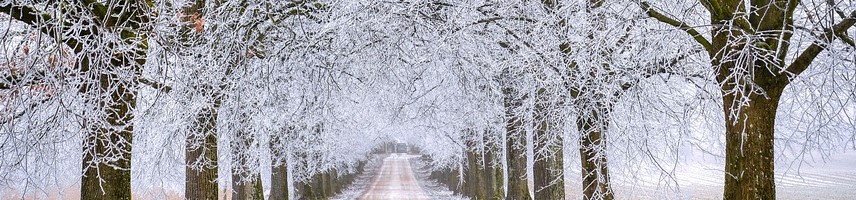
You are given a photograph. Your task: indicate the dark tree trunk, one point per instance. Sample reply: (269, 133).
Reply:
(279, 168)
(317, 187)
(493, 170)
(548, 169)
(201, 157)
(518, 188)
(592, 125)
(247, 189)
(331, 182)
(305, 189)
(107, 145)
(201, 144)
(749, 169)
(107, 178)
(749, 129)
(595, 173)
(244, 178)
(258, 188)
(279, 182)
(474, 184)
(448, 178)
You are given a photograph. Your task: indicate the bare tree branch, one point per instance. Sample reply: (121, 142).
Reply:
(37, 19)
(805, 58)
(676, 23)
(156, 85)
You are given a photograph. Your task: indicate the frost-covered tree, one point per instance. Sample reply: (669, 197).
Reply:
(575, 67)
(756, 50)
(105, 44)
(293, 96)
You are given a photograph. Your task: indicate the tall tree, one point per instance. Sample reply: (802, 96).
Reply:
(548, 168)
(201, 167)
(279, 164)
(515, 139)
(748, 49)
(201, 157)
(494, 172)
(111, 49)
(219, 48)
(474, 171)
(246, 178)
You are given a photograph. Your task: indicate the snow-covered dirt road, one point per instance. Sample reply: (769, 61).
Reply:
(396, 176)
(395, 180)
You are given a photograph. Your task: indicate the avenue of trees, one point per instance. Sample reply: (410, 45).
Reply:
(266, 99)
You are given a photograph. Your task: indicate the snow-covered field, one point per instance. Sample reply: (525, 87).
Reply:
(834, 179)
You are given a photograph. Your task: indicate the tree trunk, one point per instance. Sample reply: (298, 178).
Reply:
(244, 177)
(494, 170)
(474, 173)
(330, 183)
(201, 144)
(258, 188)
(749, 169)
(595, 173)
(279, 182)
(106, 149)
(548, 169)
(201, 157)
(317, 188)
(107, 145)
(518, 188)
(314, 187)
(279, 167)
(749, 128)
(247, 189)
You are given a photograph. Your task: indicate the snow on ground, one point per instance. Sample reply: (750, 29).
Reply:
(835, 179)
(434, 189)
(395, 180)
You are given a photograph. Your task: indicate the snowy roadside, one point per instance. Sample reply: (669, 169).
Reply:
(437, 191)
(364, 180)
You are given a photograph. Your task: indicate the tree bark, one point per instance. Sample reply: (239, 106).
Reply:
(103, 177)
(107, 145)
(749, 168)
(749, 128)
(595, 172)
(474, 184)
(548, 169)
(493, 170)
(279, 182)
(330, 185)
(201, 142)
(518, 188)
(201, 157)
(592, 124)
(279, 167)
(244, 178)
(248, 189)
(313, 188)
